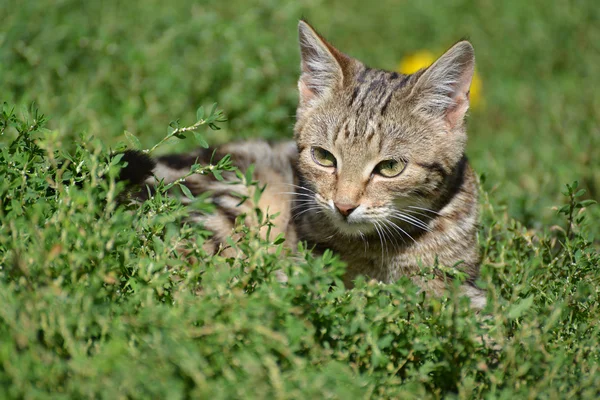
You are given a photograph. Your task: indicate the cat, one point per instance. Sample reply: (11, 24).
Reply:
(377, 171)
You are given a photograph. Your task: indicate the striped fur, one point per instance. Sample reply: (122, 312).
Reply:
(273, 165)
(426, 215)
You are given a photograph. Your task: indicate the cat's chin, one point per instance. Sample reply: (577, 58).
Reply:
(349, 228)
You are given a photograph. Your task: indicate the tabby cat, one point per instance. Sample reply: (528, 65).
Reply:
(377, 172)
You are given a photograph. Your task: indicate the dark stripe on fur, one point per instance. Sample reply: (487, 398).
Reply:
(435, 167)
(139, 167)
(388, 99)
(363, 74)
(354, 95)
(185, 161)
(227, 212)
(346, 130)
(455, 182)
(376, 86)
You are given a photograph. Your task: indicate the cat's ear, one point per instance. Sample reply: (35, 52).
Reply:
(322, 65)
(443, 89)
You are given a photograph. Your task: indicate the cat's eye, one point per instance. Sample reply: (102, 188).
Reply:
(390, 168)
(323, 157)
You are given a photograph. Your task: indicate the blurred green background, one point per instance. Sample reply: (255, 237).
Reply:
(103, 67)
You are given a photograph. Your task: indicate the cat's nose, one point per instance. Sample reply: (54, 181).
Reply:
(345, 209)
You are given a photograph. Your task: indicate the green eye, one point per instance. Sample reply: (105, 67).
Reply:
(390, 168)
(323, 157)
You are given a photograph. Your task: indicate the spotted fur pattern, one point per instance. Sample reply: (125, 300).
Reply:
(382, 227)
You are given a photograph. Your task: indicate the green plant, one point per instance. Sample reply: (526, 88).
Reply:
(120, 301)
(108, 300)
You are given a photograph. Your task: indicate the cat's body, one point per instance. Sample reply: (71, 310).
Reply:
(377, 173)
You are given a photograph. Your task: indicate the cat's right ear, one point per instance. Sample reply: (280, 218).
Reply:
(443, 89)
(322, 66)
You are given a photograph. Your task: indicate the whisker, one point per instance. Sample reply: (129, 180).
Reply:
(419, 213)
(318, 208)
(391, 235)
(306, 210)
(418, 221)
(329, 237)
(388, 222)
(385, 241)
(302, 202)
(365, 241)
(425, 209)
(300, 206)
(412, 220)
(381, 240)
(297, 194)
(299, 187)
(379, 236)
(403, 231)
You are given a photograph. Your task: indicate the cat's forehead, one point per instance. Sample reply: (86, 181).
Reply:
(372, 111)
(372, 104)
(373, 91)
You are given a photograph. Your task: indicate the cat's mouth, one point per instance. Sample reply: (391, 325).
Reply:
(384, 223)
(357, 223)
(354, 224)
(354, 228)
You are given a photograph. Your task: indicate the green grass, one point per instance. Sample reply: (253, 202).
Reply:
(98, 301)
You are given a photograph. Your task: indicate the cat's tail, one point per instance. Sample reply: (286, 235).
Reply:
(138, 168)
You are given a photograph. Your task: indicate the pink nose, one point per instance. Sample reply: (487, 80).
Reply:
(345, 209)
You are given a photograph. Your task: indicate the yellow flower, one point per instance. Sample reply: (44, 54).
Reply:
(424, 58)
(415, 61)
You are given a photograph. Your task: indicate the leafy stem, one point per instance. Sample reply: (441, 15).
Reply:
(575, 203)
(177, 132)
(180, 132)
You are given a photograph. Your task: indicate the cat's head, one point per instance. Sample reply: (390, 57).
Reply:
(378, 146)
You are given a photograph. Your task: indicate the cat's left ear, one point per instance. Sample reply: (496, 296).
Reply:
(323, 66)
(443, 89)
